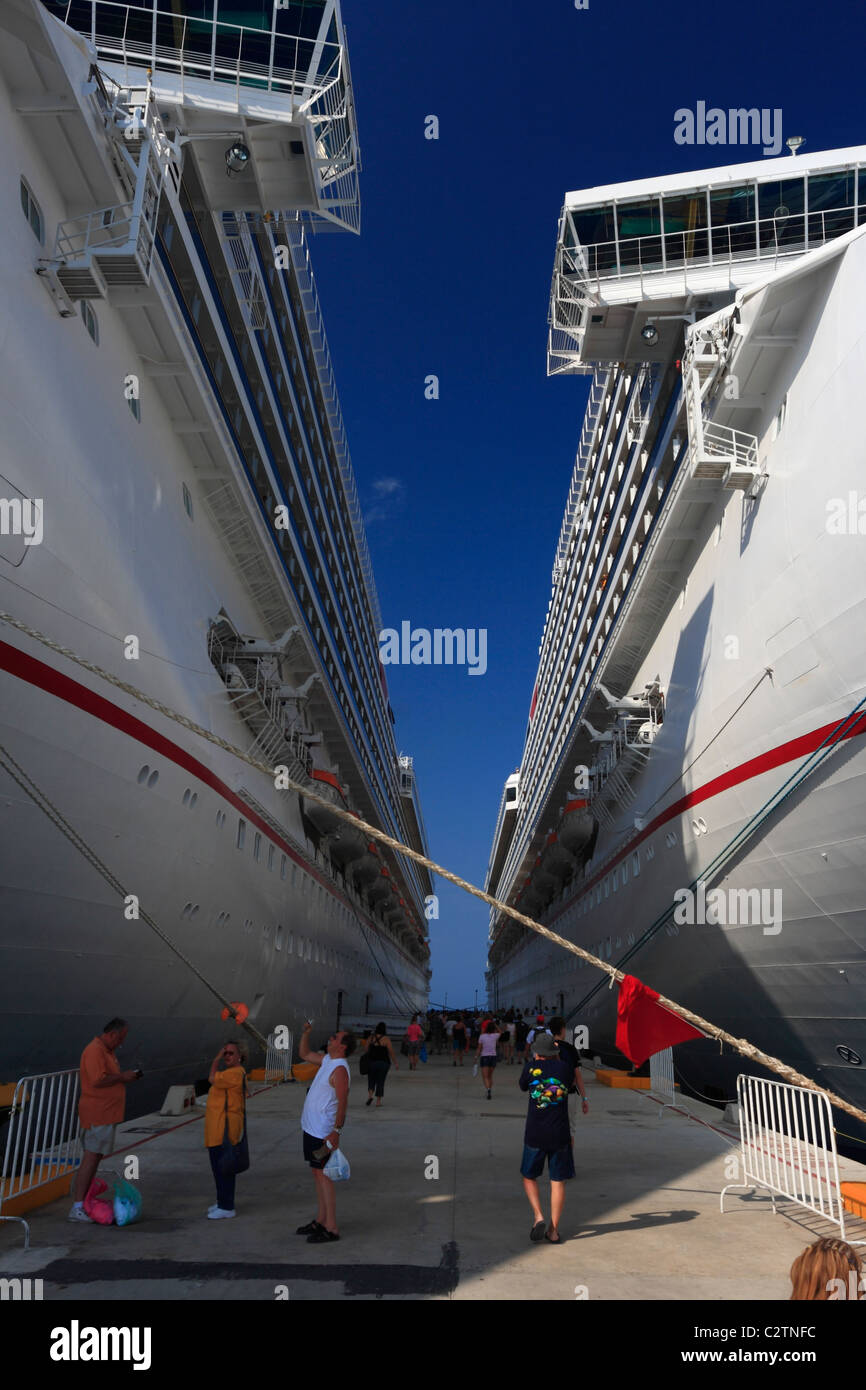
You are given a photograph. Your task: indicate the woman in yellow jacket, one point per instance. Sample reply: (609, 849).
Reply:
(224, 1122)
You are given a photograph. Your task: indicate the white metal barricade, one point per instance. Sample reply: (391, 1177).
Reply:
(788, 1145)
(43, 1142)
(662, 1077)
(278, 1061)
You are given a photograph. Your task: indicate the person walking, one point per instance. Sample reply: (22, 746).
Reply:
(521, 1032)
(486, 1055)
(225, 1123)
(380, 1058)
(322, 1121)
(414, 1039)
(506, 1048)
(570, 1053)
(101, 1106)
(458, 1040)
(547, 1077)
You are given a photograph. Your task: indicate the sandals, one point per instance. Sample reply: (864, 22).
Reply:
(558, 1241)
(308, 1230)
(538, 1231)
(322, 1236)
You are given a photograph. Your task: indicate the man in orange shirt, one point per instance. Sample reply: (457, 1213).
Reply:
(101, 1106)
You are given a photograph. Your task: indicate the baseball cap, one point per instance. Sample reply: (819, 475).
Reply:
(545, 1046)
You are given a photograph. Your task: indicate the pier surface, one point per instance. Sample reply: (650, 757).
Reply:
(641, 1221)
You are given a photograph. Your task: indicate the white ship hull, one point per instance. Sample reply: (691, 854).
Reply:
(766, 583)
(133, 545)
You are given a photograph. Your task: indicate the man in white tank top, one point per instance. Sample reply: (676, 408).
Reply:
(322, 1122)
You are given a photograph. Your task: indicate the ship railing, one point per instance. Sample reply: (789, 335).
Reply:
(256, 696)
(582, 462)
(278, 1058)
(299, 252)
(764, 239)
(142, 35)
(788, 1146)
(43, 1144)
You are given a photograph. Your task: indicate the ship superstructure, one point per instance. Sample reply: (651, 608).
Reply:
(170, 400)
(696, 720)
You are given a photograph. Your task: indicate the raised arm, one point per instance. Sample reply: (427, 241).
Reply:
(306, 1052)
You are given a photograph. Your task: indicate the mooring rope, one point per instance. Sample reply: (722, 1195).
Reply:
(741, 1045)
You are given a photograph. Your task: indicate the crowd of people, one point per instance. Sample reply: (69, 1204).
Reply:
(830, 1269)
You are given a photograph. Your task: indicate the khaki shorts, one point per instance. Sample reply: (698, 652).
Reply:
(99, 1139)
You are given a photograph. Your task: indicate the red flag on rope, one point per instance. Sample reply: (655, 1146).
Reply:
(644, 1026)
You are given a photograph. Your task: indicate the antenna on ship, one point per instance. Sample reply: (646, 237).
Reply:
(794, 143)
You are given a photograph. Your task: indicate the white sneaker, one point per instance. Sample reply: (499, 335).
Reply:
(217, 1214)
(79, 1214)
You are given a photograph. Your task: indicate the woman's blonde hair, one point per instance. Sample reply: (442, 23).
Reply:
(813, 1274)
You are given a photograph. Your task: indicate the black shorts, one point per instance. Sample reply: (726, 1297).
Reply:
(488, 1061)
(311, 1143)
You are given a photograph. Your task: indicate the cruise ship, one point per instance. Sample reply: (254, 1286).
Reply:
(179, 510)
(690, 803)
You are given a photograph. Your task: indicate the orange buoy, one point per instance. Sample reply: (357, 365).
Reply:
(239, 1011)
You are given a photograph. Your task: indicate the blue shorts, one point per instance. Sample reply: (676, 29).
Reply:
(560, 1163)
(458, 1044)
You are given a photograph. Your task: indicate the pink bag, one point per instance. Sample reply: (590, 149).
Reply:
(99, 1209)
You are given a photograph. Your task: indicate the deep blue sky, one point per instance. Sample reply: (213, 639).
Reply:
(464, 495)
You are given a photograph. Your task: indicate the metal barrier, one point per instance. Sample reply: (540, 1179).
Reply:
(43, 1142)
(662, 1077)
(278, 1060)
(788, 1145)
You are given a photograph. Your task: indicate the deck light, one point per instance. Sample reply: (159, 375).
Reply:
(649, 333)
(237, 158)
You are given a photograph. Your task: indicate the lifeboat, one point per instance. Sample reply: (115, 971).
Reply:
(345, 844)
(576, 826)
(543, 879)
(368, 867)
(379, 889)
(557, 860)
(325, 784)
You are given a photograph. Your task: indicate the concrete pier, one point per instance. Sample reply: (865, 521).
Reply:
(434, 1209)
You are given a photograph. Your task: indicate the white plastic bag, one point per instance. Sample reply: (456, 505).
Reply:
(337, 1167)
(475, 1070)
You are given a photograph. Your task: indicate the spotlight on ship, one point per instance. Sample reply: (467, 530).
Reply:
(237, 158)
(649, 333)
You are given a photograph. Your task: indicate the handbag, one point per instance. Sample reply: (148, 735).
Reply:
(404, 1048)
(234, 1158)
(364, 1064)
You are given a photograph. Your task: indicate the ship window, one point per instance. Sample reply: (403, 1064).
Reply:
(153, 779)
(90, 321)
(639, 226)
(282, 866)
(732, 217)
(33, 212)
(135, 407)
(187, 501)
(278, 938)
(780, 207)
(242, 833)
(685, 225)
(635, 863)
(143, 775)
(257, 847)
(831, 204)
(270, 856)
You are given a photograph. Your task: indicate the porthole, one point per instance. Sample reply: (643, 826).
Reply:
(195, 910)
(186, 796)
(671, 839)
(143, 775)
(282, 866)
(187, 909)
(257, 847)
(242, 833)
(220, 819)
(270, 856)
(278, 938)
(153, 779)
(635, 863)
(187, 501)
(135, 407)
